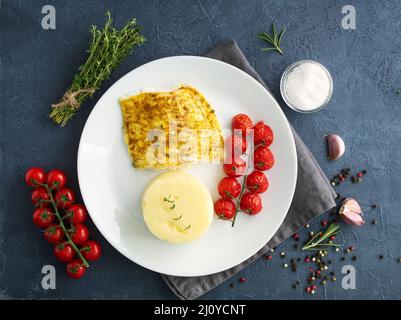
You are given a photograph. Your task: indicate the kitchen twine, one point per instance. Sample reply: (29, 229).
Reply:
(69, 98)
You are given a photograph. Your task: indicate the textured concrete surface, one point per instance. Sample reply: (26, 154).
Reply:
(37, 65)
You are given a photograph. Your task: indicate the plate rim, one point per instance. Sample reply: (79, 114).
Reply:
(236, 69)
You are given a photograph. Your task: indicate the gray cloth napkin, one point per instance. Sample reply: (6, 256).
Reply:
(313, 195)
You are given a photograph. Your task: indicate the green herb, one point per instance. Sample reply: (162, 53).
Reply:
(317, 242)
(108, 48)
(176, 219)
(398, 92)
(168, 199)
(172, 207)
(274, 39)
(187, 227)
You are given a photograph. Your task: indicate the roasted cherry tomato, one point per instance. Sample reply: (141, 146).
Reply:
(236, 168)
(64, 198)
(263, 158)
(75, 269)
(54, 234)
(91, 250)
(242, 122)
(43, 217)
(40, 197)
(251, 203)
(77, 214)
(257, 182)
(34, 176)
(225, 209)
(56, 179)
(79, 234)
(262, 134)
(64, 252)
(236, 145)
(229, 188)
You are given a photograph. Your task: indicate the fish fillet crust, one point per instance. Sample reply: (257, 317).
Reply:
(171, 129)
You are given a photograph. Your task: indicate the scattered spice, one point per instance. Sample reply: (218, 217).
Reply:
(269, 257)
(241, 280)
(381, 257)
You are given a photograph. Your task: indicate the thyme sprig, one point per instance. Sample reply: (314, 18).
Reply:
(108, 48)
(318, 241)
(274, 39)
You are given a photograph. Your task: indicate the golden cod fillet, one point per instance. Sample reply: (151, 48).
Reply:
(171, 129)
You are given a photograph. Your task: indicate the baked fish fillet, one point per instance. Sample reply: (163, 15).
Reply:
(171, 129)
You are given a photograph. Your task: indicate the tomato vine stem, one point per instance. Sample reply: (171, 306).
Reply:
(62, 226)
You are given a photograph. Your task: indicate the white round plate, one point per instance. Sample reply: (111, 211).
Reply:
(112, 188)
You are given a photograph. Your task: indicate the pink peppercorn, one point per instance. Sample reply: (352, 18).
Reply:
(269, 257)
(324, 223)
(359, 174)
(242, 280)
(308, 289)
(313, 287)
(332, 238)
(307, 259)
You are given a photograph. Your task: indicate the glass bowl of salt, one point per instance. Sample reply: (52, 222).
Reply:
(306, 86)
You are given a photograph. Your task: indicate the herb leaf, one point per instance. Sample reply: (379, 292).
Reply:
(274, 39)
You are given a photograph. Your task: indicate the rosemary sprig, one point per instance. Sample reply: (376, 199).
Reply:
(274, 39)
(317, 242)
(108, 48)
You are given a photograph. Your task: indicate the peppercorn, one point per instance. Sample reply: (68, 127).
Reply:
(374, 221)
(333, 279)
(296, 246)
(272, 250)
(307, 225)
(359, 174)
(312, 292)
(324, 282)
(285, 265)
(295, 236)
(337, 249)
(294, 286)
(342, 258)
(231, 285)
(282, 254)
(269, 257)
(354, 258)
(364, 171)
(381, 257)
(294, 266)
(307, 259)
(242, 280)
(374, 206)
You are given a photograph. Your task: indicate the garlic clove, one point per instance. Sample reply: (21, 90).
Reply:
(351, 212)
(335, 146)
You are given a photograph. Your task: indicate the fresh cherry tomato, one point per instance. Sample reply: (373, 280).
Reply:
(251, 203)
(43, 217)
(79, 234)
(225, 208)
(257, 182)
(263, 158)
(54, 234)
(56, 179)
(64, 198)
(75, 269)
(242, 122)
(78, 214)
(236, 168)
(262, 134)
(91, 250)
(34, 176)
(64, 252)
(229, 188)
(40, 197)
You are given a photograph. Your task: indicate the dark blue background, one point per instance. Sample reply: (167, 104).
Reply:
(38, 65)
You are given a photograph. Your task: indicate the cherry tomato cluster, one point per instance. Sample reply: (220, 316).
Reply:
(62, 220)
(247, 194)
